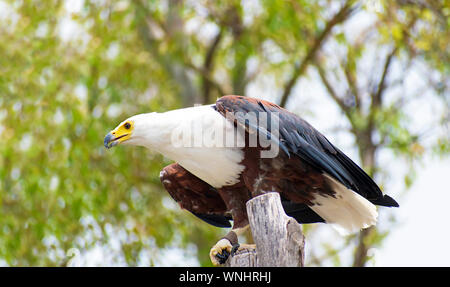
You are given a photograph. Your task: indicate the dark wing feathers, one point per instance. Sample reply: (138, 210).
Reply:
(300, 138)
(301, 212)
(195, 195)
(216, 220)
(326, 144)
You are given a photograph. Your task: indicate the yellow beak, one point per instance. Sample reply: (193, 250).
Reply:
(116, 136)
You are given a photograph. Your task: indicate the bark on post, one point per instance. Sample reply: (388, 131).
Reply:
(279, 239)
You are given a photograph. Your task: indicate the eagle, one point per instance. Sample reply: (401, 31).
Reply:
(240, 147)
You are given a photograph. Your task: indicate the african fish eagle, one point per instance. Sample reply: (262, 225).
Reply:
(316, 181)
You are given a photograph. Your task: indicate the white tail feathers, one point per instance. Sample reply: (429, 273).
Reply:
(347, 211)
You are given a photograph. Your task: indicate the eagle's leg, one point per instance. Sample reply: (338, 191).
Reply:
(235, 199)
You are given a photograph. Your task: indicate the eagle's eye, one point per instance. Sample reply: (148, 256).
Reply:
(127, 126)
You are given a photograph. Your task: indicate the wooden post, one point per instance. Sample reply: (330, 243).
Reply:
(279, 239)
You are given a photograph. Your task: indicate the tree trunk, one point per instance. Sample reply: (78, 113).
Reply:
(279, 239)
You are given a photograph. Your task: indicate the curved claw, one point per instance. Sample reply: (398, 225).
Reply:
(234, 249)
(222, 258)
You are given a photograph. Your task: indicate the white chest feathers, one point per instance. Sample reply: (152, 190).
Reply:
(204, 142)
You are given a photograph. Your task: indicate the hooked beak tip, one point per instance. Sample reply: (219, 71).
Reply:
(108, 141)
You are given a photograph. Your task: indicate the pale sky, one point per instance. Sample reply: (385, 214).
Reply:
(422, 236)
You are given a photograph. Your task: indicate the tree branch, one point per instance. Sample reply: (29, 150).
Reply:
(329, 87)
(332, 92)
(208, 66)
(360, 258)
(378, 95)
(206, 75)
(188, 91)
(339, 17)
(279, 239)
(367, 150)
(352, 83)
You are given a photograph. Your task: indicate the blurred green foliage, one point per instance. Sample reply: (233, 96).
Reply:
(70, 71)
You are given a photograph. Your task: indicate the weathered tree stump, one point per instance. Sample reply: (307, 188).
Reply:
(279, 239)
